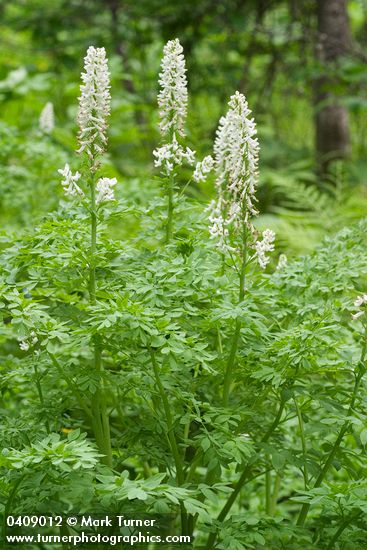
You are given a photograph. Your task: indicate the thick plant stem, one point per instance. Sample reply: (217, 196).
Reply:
(306, 507)
(237, 331)
(40, 395)
(231, 362)
(342, 527)
(303, 441)
(274, 496)
(170, 208)
(72, 386)
(358, 377)
(268, 495)
(100, 419)
(180, 477)
(8, 505)
(243, 478)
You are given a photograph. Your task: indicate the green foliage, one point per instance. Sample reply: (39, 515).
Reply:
(282, 462)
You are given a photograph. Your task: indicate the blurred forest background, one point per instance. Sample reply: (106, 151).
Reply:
(301, 63)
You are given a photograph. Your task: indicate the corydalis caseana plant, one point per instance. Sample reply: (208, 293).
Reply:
(94, 105)
(47, 119)
(236, 159)
(235, 162)
(172, 102)
(94, 109)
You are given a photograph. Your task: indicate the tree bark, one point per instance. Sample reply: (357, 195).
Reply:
(332, 43)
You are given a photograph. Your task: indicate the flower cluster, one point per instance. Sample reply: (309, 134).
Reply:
(264, 246)
(236, 158)
(282, 262)
(172, 98)
(218, 228)
(203, 168)
(360, 302)
(172, 102)
(94, 104)
(104, 189)
(47, 119)
(24, 345)
(236, 153)
(69, 182)
(172, 154)
(235, 162)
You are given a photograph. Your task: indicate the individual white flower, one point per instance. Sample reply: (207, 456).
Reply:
(69, 182)
(203, 168)
(355, 316)
(34, 338)
(24, 345)
(264, 246)
(94, 103)
(172, 98)
(172, 154)
(47, 119)
(104, 189)
(360, 302)
(282, 262)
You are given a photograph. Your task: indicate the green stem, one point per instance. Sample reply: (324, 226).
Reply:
(268, 495)
(72, 386)
(303, 442)
(170, 208)
(236, 335)
(195, 461)
(358, 377)
(40, 395)
(100, 418)
(274, 497)
(243, 478)
(180, 478)
(7, 510)
(339, 531)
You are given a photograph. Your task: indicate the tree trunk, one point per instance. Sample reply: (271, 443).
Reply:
(332, 43)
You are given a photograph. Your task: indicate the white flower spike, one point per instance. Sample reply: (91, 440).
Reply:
(173, 97)
(236, 151)
(47, 119)
(94, 104)
(236, 158)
